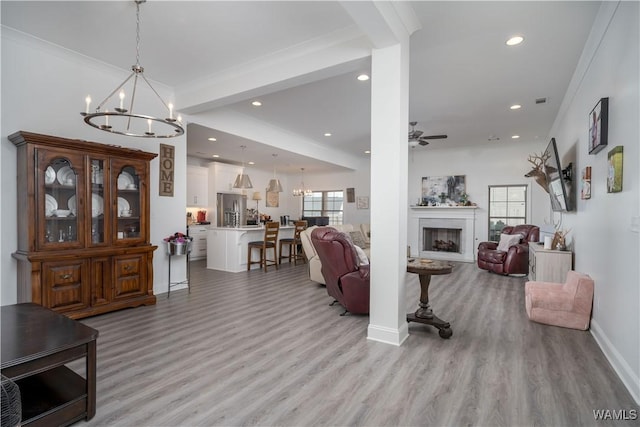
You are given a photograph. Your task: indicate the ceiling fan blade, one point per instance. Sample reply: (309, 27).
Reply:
(435, 137)
(423, 142)
(416, 134)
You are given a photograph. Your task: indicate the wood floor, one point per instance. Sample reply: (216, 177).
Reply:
(266, 349)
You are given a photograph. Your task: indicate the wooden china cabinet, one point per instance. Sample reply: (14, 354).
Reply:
(83, 225)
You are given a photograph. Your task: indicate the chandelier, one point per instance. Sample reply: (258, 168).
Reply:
(302, 191)
(125, 121)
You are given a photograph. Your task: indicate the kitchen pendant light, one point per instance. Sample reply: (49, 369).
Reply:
(242, 180)
(274, 184)
(125, 121)
(302, 191)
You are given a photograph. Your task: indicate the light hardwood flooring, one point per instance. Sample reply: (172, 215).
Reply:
(266, 349)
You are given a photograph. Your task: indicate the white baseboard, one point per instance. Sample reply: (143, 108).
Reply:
(388, 335)
(622, 368)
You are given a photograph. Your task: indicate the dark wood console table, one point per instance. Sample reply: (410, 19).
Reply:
(36, 344)
(426, 268)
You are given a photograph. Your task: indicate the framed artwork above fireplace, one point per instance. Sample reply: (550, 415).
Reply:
(443, 189)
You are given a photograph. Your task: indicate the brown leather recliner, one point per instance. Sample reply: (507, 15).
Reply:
(346, 281)
(513, 261)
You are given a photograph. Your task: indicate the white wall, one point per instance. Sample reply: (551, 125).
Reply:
(359, 180)
(503, 163)
(43, 91)
(606, 244)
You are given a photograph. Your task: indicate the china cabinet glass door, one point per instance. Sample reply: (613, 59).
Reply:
(60, 180)
(97, 202)
(130, 206)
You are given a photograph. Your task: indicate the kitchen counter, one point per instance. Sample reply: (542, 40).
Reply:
(227, 246)
(251, 228)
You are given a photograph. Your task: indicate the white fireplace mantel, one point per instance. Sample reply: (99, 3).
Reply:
(463, 215)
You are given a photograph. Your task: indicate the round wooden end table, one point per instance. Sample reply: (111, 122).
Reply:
(426, 268)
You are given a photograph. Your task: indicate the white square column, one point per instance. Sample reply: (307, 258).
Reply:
(389, 175)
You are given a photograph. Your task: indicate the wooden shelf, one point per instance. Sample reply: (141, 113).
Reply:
(48, 392)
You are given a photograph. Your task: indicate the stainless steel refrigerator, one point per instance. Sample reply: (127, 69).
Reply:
(231, 210)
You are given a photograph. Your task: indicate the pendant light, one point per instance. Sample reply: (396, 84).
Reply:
(125, 121)
(274, 184)
(242, 180)
(301, 191)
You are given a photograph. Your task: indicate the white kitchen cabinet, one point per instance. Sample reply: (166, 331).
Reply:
(548, 265)
(197, 186)
(199, 242)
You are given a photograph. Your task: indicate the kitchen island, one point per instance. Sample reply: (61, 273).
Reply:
(227, 246)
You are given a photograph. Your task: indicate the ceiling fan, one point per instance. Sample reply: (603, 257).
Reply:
(415, 136)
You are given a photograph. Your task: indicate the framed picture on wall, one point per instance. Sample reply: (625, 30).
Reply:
(273, 199)
(598, 126)
(363, 203)
(614, 170)
(351, 195)
(585, 191)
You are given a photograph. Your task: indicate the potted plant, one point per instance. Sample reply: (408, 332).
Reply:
(178, 244)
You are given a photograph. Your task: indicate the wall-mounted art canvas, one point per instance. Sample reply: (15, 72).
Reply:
(614, 173)
(351, 195)
(273, 199)
(598, 126)
(585, 190)
(363, 202)
(443, 189)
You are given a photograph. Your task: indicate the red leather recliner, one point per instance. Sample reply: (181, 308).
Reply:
(346, 281)
(513, 261)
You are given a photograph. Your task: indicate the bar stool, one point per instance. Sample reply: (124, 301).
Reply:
(293, 244)
(270, 240)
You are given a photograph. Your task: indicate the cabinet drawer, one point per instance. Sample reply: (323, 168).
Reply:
(128, 267)
(130, 276)
(65, 285)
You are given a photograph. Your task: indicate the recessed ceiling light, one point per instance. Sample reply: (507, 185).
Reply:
(256, 103)
(516, 106)
(363, 77)
(515, 136)
(252, 163)
(216, 155)
(327, 134)
(515, 40)
(212, 139)
(367, 152)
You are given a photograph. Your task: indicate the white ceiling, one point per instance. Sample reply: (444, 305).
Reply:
(463, 76)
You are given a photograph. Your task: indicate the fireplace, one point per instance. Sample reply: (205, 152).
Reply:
(441, 239)
(442, 232)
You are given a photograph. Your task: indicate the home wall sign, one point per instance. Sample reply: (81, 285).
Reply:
(167, 169)
(598, 126)
(443, 189)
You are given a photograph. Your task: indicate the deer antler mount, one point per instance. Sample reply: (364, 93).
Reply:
(537, 173)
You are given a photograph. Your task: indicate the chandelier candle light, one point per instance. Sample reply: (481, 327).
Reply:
(302, 191)
(126, 121)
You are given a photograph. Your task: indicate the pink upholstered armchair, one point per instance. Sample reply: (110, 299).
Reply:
(346, 281)
(515, 259)
(561, 304)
